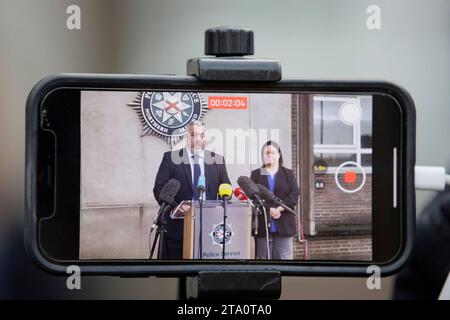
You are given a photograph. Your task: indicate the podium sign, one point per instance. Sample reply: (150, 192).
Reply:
(237, 232)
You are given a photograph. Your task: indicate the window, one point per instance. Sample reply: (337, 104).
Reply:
(343, 130)
(328, 128)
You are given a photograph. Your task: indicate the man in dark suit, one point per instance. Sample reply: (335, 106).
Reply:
(187, 165)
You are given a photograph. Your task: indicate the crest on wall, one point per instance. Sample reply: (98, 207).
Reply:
(167, 114)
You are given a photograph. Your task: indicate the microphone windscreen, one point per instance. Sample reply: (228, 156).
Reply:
(240, 194)
(169, 191)
(265, 193)
(248, 186)
(201, 183)
(225, 190)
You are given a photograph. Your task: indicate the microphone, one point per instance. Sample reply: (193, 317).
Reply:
(249, 187)
(225, 191)
(166, 198)
(240, 194)
(201, 187)
(265, 193)
(169, 191)
(268, 196)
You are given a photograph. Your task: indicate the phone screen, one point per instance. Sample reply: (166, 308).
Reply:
(166, 175)
(314, 151)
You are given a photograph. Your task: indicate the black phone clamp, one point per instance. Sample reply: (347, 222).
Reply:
(228, 48)
(213, 285)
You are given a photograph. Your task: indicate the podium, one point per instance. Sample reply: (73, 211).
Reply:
(237, 232)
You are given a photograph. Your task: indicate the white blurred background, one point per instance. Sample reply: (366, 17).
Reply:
(313, 39)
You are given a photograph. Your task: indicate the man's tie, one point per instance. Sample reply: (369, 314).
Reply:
(197, 174)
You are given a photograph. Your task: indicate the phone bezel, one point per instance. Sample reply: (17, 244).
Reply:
(133, 82)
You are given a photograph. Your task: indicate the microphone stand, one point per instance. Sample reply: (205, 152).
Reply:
(266, 227)
(278, 202)
(269, 254)
(161, 230)
(225, 206)
(256, 213)
(200, 236)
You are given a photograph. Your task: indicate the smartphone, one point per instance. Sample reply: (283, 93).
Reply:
(156, 175)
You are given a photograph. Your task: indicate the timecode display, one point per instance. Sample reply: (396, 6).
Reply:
(223, 102)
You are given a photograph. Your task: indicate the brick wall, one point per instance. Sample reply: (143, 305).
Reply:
(336, 248)
(333, 207)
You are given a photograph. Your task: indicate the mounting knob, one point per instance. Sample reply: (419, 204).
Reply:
(228, 41)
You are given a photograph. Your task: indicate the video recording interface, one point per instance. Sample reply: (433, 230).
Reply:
(290, 175)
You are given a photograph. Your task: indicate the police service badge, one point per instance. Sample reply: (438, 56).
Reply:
(217, 234)
(167, 114)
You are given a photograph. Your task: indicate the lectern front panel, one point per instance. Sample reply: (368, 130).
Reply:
(237, 232)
